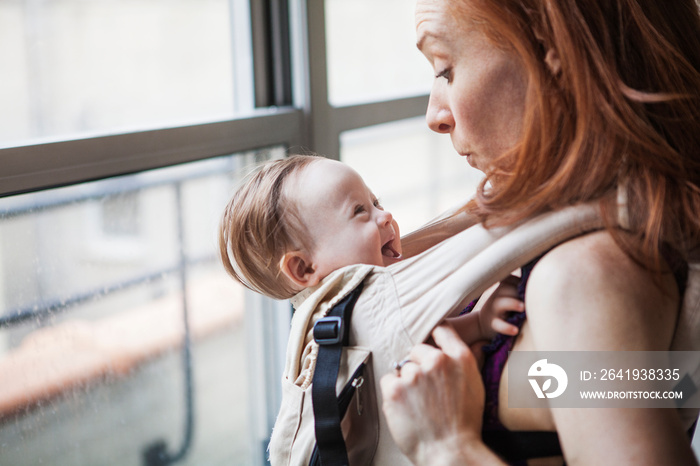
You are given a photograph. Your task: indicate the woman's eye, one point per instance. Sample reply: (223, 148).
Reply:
(446, 73)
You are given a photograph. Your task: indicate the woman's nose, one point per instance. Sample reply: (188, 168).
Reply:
(439, 116)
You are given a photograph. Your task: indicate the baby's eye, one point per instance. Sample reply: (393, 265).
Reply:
(359, 208)
(446, 73)
(377, 204)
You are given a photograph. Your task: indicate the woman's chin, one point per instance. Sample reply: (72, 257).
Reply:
(471, 160)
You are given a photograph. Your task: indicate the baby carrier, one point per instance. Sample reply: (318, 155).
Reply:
(375, 315)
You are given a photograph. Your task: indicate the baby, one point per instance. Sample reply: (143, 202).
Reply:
(297, 220)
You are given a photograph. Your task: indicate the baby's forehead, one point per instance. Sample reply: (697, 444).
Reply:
(328, 178)
(326, 187)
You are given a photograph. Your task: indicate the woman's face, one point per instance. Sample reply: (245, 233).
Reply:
(478, 95)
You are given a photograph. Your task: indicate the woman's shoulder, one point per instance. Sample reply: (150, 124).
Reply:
(590, 283)
(591, 256)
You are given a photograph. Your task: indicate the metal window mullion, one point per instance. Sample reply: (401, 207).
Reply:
(362, 115)
(324, 137)
(267, 332)
(270, 24)
(259, 12)
(325, 123)
(280, 51)
(30, 168)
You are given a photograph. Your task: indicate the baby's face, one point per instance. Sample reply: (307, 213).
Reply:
(345, 223)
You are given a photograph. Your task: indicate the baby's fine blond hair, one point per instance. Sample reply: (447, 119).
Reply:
(259, 226)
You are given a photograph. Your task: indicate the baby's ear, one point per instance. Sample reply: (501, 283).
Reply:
(297, 267)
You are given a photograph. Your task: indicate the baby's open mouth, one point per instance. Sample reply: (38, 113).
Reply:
(389, 250)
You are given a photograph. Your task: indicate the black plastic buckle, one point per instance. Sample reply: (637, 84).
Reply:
(328, 330)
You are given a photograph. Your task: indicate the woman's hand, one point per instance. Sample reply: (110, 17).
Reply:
(434, 404)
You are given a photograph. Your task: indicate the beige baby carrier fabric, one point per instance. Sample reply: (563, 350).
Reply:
(398, 308)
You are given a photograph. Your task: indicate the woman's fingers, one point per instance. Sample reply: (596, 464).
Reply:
(447, 339)
(411, 369)
(391, 388)
(436, 397)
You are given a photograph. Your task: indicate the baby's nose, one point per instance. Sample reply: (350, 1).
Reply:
(385, 217)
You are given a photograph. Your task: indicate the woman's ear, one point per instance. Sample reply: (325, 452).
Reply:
(553, 62)
(551, 56)
(297, 267)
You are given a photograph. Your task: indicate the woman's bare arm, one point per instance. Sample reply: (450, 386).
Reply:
(587, 295)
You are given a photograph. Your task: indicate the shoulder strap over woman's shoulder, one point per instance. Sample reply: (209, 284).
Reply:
(438, 282)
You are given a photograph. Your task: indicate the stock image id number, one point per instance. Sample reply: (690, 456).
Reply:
(632, 374)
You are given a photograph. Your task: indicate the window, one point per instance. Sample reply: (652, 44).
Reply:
(97, 364)
(81, 67)
(370, 58)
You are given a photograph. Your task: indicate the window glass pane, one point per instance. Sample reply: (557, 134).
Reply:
(92, 334)
(74, 67)
(371, 51)
(415, 172)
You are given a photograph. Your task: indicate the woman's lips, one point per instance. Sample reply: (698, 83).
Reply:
(469, 157)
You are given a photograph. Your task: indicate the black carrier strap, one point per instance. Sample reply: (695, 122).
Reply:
(522, 445)
(331, 334)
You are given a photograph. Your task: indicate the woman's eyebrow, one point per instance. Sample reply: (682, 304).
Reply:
(421, 40)
(434, 37)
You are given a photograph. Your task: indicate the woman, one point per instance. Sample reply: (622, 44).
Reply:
(559, 102)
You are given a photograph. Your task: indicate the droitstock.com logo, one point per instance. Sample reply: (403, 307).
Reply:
(544, 371)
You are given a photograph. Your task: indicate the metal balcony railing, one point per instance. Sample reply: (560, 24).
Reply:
(157, 453)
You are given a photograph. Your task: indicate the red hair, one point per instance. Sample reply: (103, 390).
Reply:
(622, 111)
